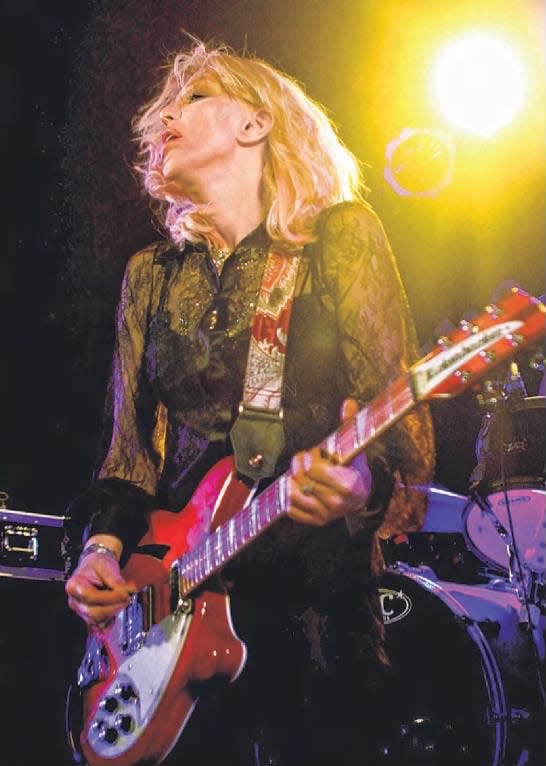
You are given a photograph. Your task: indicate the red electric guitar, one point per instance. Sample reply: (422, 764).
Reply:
(137, 678)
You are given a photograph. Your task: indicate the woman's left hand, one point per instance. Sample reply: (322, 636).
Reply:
(320, 491)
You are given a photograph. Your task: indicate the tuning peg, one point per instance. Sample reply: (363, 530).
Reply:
(463, 375)
(488, 356)
(493, 310)
(444, 342)
(505, 287)
(442, 332)
(468, 327)
(514, 339)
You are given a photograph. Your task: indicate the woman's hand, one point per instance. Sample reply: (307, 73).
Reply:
(97, 590)
(321, 491)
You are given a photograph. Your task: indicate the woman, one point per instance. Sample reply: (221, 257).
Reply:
(239, 159)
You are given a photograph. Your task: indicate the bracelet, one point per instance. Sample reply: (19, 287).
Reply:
(97, 548)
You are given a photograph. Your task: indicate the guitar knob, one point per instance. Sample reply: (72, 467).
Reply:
(124, 723)
(109, 735)
(110, 704)
(125, 692)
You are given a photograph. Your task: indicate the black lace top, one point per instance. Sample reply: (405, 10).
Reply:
(183, 331)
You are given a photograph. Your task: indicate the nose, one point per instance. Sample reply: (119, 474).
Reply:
(167, 114)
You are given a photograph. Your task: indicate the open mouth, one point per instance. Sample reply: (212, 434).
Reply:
(169, 136)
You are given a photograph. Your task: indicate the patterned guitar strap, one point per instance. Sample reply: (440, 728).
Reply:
(257, 435)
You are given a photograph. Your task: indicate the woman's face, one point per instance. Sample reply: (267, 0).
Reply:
(200, 135)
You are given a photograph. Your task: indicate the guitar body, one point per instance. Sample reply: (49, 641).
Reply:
(141, 676)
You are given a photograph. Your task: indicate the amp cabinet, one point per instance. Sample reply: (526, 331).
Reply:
(40, 641)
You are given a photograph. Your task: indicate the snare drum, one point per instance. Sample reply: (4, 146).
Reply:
(465, 684)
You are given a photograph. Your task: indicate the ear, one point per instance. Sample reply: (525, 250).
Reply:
(255, 127)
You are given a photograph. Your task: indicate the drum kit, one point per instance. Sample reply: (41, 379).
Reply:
(464, 605)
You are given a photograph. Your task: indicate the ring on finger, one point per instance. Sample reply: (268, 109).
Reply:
(308, 488)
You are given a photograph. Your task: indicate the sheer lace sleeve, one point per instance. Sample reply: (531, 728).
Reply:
(378, 344)
(134, 453)
(121, 495)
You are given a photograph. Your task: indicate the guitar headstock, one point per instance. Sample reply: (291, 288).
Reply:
(471, 350)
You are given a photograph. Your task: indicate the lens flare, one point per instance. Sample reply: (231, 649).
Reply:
(479, 83)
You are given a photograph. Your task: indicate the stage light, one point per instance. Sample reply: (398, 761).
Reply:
(479, 83)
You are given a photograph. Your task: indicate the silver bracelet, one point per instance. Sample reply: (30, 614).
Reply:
(97, 548)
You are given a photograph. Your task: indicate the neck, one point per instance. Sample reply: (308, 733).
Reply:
(233, 217)
(231, 200)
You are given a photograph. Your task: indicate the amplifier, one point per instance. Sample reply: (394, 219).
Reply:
(31, 545)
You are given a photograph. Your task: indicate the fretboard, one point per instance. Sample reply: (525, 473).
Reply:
(225, 542)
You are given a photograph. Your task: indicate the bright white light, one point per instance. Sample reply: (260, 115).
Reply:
(479, 83)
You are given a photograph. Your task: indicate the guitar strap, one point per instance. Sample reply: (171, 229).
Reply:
(257, 435)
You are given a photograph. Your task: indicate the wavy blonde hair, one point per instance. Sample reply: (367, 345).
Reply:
(307, 167)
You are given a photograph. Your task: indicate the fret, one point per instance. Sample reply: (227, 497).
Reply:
(354, 435)
(252, 521)
(361, 428)
(269, 508)
(199, 566)
(232, 539)
(245, 526)
(331, 444)
(346, 440)
(265, 516)
(190, 571)
(258, 515)
(218, 550)
(267, 502)
(282, 494)
(208, 566)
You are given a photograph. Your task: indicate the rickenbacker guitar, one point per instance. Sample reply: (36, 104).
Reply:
(139, 679)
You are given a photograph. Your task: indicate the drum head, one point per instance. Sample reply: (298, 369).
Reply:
(527, 508)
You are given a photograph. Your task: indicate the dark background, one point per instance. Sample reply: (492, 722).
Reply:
(73, 74)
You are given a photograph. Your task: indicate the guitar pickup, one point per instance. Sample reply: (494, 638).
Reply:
(178, 603)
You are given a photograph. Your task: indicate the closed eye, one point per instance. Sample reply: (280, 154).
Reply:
(196, 96)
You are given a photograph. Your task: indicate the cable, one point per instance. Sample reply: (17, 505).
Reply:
(516, 556)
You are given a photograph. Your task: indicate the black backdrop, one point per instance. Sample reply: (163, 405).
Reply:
(73, 73)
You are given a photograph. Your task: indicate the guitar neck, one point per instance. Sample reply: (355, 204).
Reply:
(225, 542)
(461, 358)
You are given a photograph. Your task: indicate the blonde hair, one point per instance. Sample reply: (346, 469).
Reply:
(307, 167)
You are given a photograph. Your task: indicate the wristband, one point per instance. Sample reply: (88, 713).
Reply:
(97, 548)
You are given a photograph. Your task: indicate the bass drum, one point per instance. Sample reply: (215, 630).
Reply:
(464, 675)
